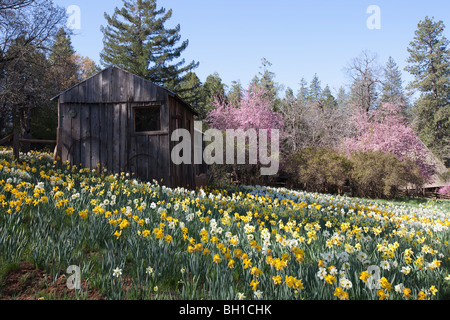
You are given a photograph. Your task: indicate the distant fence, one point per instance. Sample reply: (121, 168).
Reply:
(436, 195)
(16, 140)
(426, 194)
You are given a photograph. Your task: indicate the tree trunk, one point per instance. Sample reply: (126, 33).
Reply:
(16, 132)
(25, 127)
(16, 143)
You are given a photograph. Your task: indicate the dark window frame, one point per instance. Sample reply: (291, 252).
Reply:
(146, 107)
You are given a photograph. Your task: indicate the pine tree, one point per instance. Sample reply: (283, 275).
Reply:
(315, 89)
(137, 40)
(429, 63)
(212, 89)
(266, 81)
(234, 95)
(392, 85)
(63, 68)
(189, 90)
(303, 92)
(342, 98)
(327, 99)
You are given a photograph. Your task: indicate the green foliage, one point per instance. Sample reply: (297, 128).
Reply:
(371, 174)
(63, 68)
(318, 169)
(137, 40)
(213, 88)
(377, 174)
(429, 63)
(392, 86)
(224, 243)
(189, 90)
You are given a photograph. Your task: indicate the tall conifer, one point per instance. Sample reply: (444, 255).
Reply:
(137, 40)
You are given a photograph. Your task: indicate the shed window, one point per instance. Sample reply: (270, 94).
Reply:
(147, 119)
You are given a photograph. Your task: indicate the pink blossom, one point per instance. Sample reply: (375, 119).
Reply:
(445, 190)
(385, 129)
(254, 111)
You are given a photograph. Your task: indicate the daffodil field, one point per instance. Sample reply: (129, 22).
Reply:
(139, 240)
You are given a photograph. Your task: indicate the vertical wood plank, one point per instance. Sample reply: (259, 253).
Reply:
(61, 98)
(85, 115)
(164, 164)
(59, 133)
(122, 83)
(165, 116)
(89, 94)
(116, 138)
(66, 132)
(137, 89)
(75, 145)
(97, 81)
(115, 83)
(109, 122)
(106, 85)
(132, 150)
(130, 88)
(123, 135)
(95, 135)
(82, 93)
(152, 164)
(103, 136)
(146, 90)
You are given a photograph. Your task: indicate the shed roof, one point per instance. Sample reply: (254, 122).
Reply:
(115, 85)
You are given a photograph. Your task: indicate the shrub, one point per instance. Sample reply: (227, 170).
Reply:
(386, 129)
(318, 169)
(377, 174)
(370, 174)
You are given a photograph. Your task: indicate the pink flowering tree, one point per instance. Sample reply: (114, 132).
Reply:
(255, 112)
(445, 190)
(386, 130)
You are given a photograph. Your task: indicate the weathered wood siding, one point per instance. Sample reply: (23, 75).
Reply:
(182, 118)
(96, 127)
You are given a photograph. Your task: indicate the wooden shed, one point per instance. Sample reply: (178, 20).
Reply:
(122, 122)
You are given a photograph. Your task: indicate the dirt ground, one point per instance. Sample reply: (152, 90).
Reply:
(29, 283)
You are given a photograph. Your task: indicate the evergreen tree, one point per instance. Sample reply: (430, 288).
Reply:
(429, 63)
(234, 95)
(189, 90)
(266, 81)
(137, 40)
(303, 92)
(392, 85)
(315, 89)
(212, 89)
(327, 99)
(342, 98)
(63, 68)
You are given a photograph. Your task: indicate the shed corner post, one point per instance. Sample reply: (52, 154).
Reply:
(57, 151)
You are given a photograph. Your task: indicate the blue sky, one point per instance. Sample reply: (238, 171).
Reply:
(300, 38)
